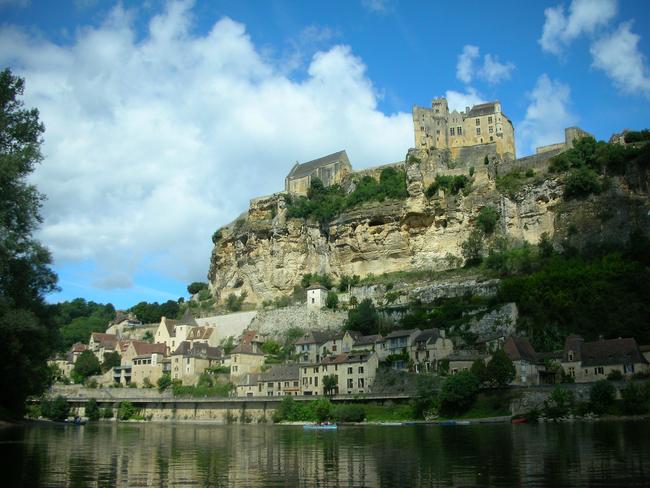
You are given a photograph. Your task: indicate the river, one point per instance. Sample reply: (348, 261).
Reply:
(612, 454)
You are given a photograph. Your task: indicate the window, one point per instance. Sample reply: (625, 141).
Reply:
(491, 139)
(360, 369)
(269, 385)
(295, 383)
(360, 383)
(572, 372)
(570, 355)
(316, 381)
(438, 132)
(313, 300)
(459, 131)
(599, 370)
(478, 131)
(489, 120)
(333, 347)
(316, 369)
(259, 387)
(490, 129)
(350, 383)
(451, 131)
(478, 121)
(286, 384)
(250, 393)
(349, 370)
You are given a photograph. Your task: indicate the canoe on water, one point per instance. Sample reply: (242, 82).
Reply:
(453, 422)
(319, 427)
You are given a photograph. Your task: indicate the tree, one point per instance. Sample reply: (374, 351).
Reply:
(500, 371)
(487, 220)
(330, 383)
(472, 248)
(86, 365)
(332, 300)
(195, 287)
(28, 334)
(164, 382)
(458, 393)
(92, 412)
(479, 370)
(363, 318)
(57, 409)
(602, 396)
(111, 360)
(148, 336)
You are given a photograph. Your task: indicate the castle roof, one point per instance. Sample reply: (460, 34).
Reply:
(482, 109)
(305, 169)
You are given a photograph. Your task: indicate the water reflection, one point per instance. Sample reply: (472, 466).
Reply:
(599, 454)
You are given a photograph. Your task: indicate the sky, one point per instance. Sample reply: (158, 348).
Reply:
(164, 118)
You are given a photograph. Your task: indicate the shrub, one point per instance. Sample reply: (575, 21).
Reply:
(363, 318)
(126, 411)
(500, 371)
(92, 412)
(107, 413)
(559, 404)
(479, 370)
(56, 409)
(197, 286)
(602, 396)
(332, 300)
(637, 136)
(472, 248)
(449, 184)
(322, 409)
(458, 393)
(86, 365)
(111, 360)
(234, 302)
(164, 382)
(615, 375)
(349, 413)
(581, 182)
(204, 295)
(635, 399)
(487, 220)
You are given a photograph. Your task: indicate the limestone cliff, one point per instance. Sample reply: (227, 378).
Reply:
(265, 254)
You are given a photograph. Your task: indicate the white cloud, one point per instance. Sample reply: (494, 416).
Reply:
(465, 65)
(378, 6)
(492, 70)
(546, 117)
(15, 3)
(152, 142)
(460, 101)
(619, 57)
(584, 17)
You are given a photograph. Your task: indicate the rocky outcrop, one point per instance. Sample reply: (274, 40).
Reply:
(265, 254)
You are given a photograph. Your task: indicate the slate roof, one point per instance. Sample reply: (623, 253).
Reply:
(368, 340)
(308, 168)
(314, 337)
(247, 349)
(466, 355)
(169, 325)
(400, 333)
(519, 349)
(78, 347)
(316, 286)
(249, 379)
(199, 333)
(198, 350)
(572, 343)
(188, 319)
(282, 372)
(481, 109)
(347, 357)
(611, 351)
(428, 334)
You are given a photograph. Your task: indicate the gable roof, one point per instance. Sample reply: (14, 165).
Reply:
(427, 334)
(248, 336)
(314, 337)
(188, 319)
(199, 333)
(305, 169)
(481, 109)
(400, 333)
(367, 340)
(249, 379)
(198, 350)
(519, 349)
(347, 357)
(78, 347)
(282, 372)
(106, 340)
(146, 348)
(169, 325)
(247, 349)
(611, 351)
(573, 343)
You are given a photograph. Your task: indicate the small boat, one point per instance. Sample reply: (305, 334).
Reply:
(453, 422)
(521, 420)
(319, 427)
(75, 421)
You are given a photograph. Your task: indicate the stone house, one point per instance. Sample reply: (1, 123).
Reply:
(462, 360)
(142, 350)
(330, 169)
(429, 347)
(373, 342)
(244, 359)
(309, 346)
(316, 296)
(399, 342)
(592, 361)
(525, 360)
(123, 320)
(355, 373)
(280, 380)
(249, 385)
(149, 365)
(191, 359)
(101, 343)
(341, 342)
(165, 333)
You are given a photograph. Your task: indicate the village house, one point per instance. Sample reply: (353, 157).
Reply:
(147, 368)
(330, 170)
(316, 296)
(244, 359)
(280, 380)
(101, 343)
(429, 347)
(399, 342)
(308, 347)
(592, 361)
(191, 359)
(354, 372)
(249, 385)
(525, 360)
(341, 342)
(143, 351)
(462, 360)
(123, 320)
(369, 343)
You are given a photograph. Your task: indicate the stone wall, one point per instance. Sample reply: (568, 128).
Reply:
(277, 321)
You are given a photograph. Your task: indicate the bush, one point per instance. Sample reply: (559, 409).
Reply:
(472, 248)
(479, 370)
(86, 365)
(349, 413)
(111, 360)
(197, 286)
(500, 371)
(581, 182)
(234, 302)
(332, 300)
(56, 409)
(615, 375)
(559, 404)
(449, 184)
(92, 412)
(487, 220)
(164, 382)
(322, 409)
(126, 411)
(363, 318)
(602, 397)
(637, 136)
(458, 393)
(107, 413)
(635, 399)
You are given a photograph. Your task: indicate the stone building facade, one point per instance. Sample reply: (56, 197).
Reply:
(482, 125)
(330, 169)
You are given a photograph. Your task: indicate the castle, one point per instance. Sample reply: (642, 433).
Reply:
(482, 125)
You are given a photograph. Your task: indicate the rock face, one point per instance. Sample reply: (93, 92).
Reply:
(265, 254)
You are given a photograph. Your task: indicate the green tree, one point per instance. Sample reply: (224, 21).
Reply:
(487, 220)
(330, 382)
(164, 382)
(195, 287)
(602, 396)
(545, 245)
(472, 248)
(148, 336)
(126, 411)
(458, 393)
(86, 365)
(332, 300)
(111, 360)
(28, 334)
(363, 318)
(56, 409)
(479, 369)
(92, 411)
(500, 371)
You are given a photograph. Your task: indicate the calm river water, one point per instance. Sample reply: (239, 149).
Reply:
(579, 454)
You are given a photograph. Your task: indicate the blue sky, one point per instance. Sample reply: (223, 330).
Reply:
(164, 118)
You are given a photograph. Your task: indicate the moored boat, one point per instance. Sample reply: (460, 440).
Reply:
(319, 426)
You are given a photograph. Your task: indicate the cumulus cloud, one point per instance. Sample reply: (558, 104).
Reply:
(546, 117)
(584, 17)
(154, 141)
(459, 100)
(619, 57)
(492, 70)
